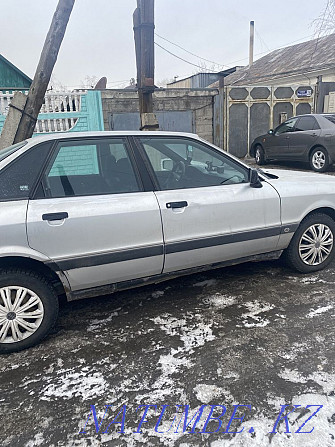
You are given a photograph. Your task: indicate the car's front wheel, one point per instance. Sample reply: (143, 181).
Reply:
(260, 155)
(319, 159)
(312, 246)
(28, 309)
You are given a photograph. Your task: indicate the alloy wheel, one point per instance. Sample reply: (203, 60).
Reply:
(319, 160)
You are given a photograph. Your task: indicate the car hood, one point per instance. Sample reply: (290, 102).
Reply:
(302, 192)
(298, 176)
(304, 187)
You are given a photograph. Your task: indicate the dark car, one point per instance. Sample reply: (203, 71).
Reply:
(306, 138)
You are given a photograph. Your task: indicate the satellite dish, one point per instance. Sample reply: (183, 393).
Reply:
(101, 84)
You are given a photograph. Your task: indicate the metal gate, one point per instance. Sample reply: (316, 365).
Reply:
(176, 121)
(243, 113)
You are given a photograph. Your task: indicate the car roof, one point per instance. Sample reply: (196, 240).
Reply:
(104, 133)
(313, 114)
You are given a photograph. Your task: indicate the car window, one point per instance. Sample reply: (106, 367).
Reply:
(288, 126)
(306, 123)
(90, 168)
(183, 163)
(330, 118)
(19, 177)
(9, 150)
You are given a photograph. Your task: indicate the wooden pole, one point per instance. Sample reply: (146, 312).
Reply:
(44, 69)
(144, 25)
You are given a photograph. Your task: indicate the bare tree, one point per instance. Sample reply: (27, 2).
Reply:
(325, 23)
(89, 81)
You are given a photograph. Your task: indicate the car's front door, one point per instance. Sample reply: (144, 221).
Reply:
(209, 211)
(278, 145)
(96, 221)
(305, 135)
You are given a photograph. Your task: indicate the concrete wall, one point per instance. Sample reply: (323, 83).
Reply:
(199, 102)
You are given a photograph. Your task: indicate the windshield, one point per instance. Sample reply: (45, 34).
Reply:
(330, 118)
(9, 150)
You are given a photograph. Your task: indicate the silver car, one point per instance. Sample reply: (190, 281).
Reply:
(87, 214)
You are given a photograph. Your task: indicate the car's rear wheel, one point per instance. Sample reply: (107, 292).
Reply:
(260, 155)
(28, 309)
(319, 159)
(312, 246)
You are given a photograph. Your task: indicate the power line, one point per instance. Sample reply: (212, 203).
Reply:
(189, 52)
(263, 43)
(222, 65)
(178, 57)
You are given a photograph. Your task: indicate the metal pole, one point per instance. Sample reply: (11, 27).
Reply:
(252, 40)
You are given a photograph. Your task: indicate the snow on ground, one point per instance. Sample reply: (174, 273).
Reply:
(254, 317)
(314, 312)
(84, 384)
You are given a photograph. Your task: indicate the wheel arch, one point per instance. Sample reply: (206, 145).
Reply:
(324, 210)
(57, 279)
(253, 148)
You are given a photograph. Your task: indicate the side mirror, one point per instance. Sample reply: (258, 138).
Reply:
(167, 164)
(270, 132)
(254, 179)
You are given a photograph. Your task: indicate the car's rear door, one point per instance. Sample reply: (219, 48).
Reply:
(209, 211)
(305, 135)
(96, 220)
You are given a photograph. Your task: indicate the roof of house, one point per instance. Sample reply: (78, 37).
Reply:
(10, 74)
(306, 57)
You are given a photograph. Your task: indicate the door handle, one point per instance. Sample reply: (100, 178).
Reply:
(176, 204)
(55, 216)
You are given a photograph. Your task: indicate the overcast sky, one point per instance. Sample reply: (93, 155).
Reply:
(99, 38)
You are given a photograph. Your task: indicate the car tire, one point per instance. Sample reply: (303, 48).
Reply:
(319, 159)
(314, 237)
(259, 155)
(29, 309)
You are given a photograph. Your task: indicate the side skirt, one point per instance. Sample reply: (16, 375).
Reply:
(131, 284)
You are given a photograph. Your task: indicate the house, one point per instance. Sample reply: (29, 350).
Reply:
(11, 78)
(300, 64)
(199, 80)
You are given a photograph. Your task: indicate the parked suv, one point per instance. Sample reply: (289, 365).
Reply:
(87, 214)
(306, 138)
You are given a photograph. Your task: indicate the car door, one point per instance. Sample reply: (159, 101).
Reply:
(278, 144)
(209, 211)
(305, 135)
(95, 220)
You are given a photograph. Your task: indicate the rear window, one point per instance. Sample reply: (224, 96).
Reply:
(9, 150)
(19, 177)
(330, 118)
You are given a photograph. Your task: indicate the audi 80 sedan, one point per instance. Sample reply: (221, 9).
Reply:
(305, 138)
(86, 214)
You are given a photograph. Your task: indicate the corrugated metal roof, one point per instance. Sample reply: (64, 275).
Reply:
(313, 55)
